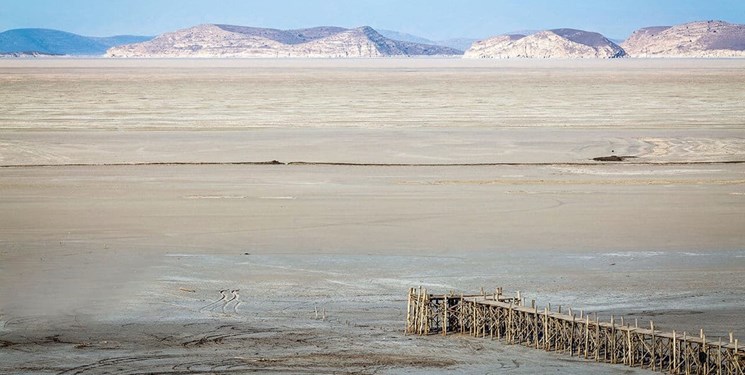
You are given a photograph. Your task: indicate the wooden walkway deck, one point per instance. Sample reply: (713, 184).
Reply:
(509, 319)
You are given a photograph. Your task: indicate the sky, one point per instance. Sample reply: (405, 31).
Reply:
(433, 19)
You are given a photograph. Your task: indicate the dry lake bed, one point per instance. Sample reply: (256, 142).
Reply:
(141, 231)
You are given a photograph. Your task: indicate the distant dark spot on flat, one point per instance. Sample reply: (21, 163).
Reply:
(612, 158)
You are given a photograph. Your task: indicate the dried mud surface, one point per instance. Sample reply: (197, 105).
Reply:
(145, 229)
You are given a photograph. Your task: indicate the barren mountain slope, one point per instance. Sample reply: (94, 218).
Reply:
(240, 41)
(558, 43)
(695, 39)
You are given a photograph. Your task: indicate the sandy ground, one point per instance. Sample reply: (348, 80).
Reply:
(176, 269)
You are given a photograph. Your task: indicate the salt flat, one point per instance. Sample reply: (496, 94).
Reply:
(106, 265)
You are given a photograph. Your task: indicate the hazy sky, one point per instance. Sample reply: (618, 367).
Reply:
(435, 19)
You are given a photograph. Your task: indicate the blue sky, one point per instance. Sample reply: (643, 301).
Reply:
(435, 19)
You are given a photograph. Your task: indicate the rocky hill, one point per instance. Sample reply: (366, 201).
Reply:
(557, 43)
(240, 41)
(55, 42)
(696, 39)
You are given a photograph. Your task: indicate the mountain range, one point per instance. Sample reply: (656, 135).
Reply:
(212, 40)
(695, 39)
(556, 43)
(55, 42)
(461, 44)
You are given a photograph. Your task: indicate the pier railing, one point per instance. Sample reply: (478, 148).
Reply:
(497, 316)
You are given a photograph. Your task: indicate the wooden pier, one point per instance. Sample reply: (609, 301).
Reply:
(506, 318)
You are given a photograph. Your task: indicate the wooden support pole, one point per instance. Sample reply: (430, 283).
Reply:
(613, 339)
(461, 319)
(674, 370)
(445, 308)
(703, 349)
(629, 353)
(545, 329)
(719, 357)
(685, 353)
(571, 337)
(499, 324)
(509, 325)
(587, 334)
(408, 312)
(597, 338)
(473, 314)
(535, 328)
(483, 322)
(654, 347)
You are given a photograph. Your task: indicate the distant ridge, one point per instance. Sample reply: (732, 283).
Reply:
(695, 39)
(56, 42)
(556, 43)
(702, 39)
(460, 44)
(213, 40)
